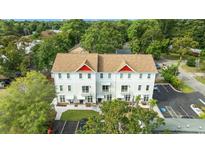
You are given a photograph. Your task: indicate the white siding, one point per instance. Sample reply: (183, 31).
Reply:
(95, 83)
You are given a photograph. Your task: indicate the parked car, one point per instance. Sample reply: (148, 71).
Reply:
(156, 88)
(157, 66)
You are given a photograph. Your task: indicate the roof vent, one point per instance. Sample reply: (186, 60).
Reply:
(187, 125)
(178, 126)
(200, 127)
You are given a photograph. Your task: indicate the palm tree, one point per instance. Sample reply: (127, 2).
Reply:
(152, 103)
(137, 100)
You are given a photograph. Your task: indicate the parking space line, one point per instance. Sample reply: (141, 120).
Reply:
(201, 101)
(77, 127)
(184, 111)
(63, 127)
(171, 112)
(165, 88)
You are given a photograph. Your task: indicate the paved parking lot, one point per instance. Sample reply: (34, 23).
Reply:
(65, 127)
(174, 104)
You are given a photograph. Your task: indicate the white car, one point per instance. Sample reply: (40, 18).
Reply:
(1, 84)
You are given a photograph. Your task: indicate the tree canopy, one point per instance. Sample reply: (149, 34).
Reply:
(76, 28)
(46, 52)
(118, 117)
(103, 37)
(25, 106)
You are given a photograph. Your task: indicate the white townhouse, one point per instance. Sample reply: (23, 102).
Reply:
(92, 78)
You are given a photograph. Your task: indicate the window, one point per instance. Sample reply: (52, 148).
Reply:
(62, 98)
(148, 76)
(129, 75)
(124, 88)
(109, 75)
(61, 88)
(121, 75)
(140, 75)
(127, 97)
(89, 75)
(89, 99)
(85, 89)
(69, 87)
(80, 76)
(146, 98)
(147, 87)
(139, 87)
(68, 75)
(105, 88)
(101, 75)
(59, 75)
(108, 97)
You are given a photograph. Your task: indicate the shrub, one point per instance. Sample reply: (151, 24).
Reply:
(202, 65)
(191, 61)
(176, 82)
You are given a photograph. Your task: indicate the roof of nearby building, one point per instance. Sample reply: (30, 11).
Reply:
(123, 51)
(2, 77)
(77, 50)
(183, 125)
(66, 62)
(198, 51)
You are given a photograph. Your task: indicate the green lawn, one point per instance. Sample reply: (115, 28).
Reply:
(201, 79)
(190, 69)
(76, 115)
(186, 89)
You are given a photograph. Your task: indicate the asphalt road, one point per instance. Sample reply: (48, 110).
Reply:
(190, 80)
(176, 104)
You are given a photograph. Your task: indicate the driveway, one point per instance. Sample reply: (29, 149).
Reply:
(174, 104)
(189, 79)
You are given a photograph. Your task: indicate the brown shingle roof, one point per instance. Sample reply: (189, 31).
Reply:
(66, 62)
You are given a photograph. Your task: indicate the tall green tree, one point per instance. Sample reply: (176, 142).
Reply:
(118, 117)
(145, 33)
(182, 45)
(76, 28)
(25, 106)
(46, 52)
(102, 37)
(156, 48)
(12, 60)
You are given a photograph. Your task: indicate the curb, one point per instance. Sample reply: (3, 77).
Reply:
(170, 86)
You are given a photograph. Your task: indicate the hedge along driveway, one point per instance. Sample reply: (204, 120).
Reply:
(76, 115)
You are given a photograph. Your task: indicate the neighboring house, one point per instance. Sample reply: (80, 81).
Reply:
(27, 46)
(77, 49)
(195, 52)
(83, 78)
